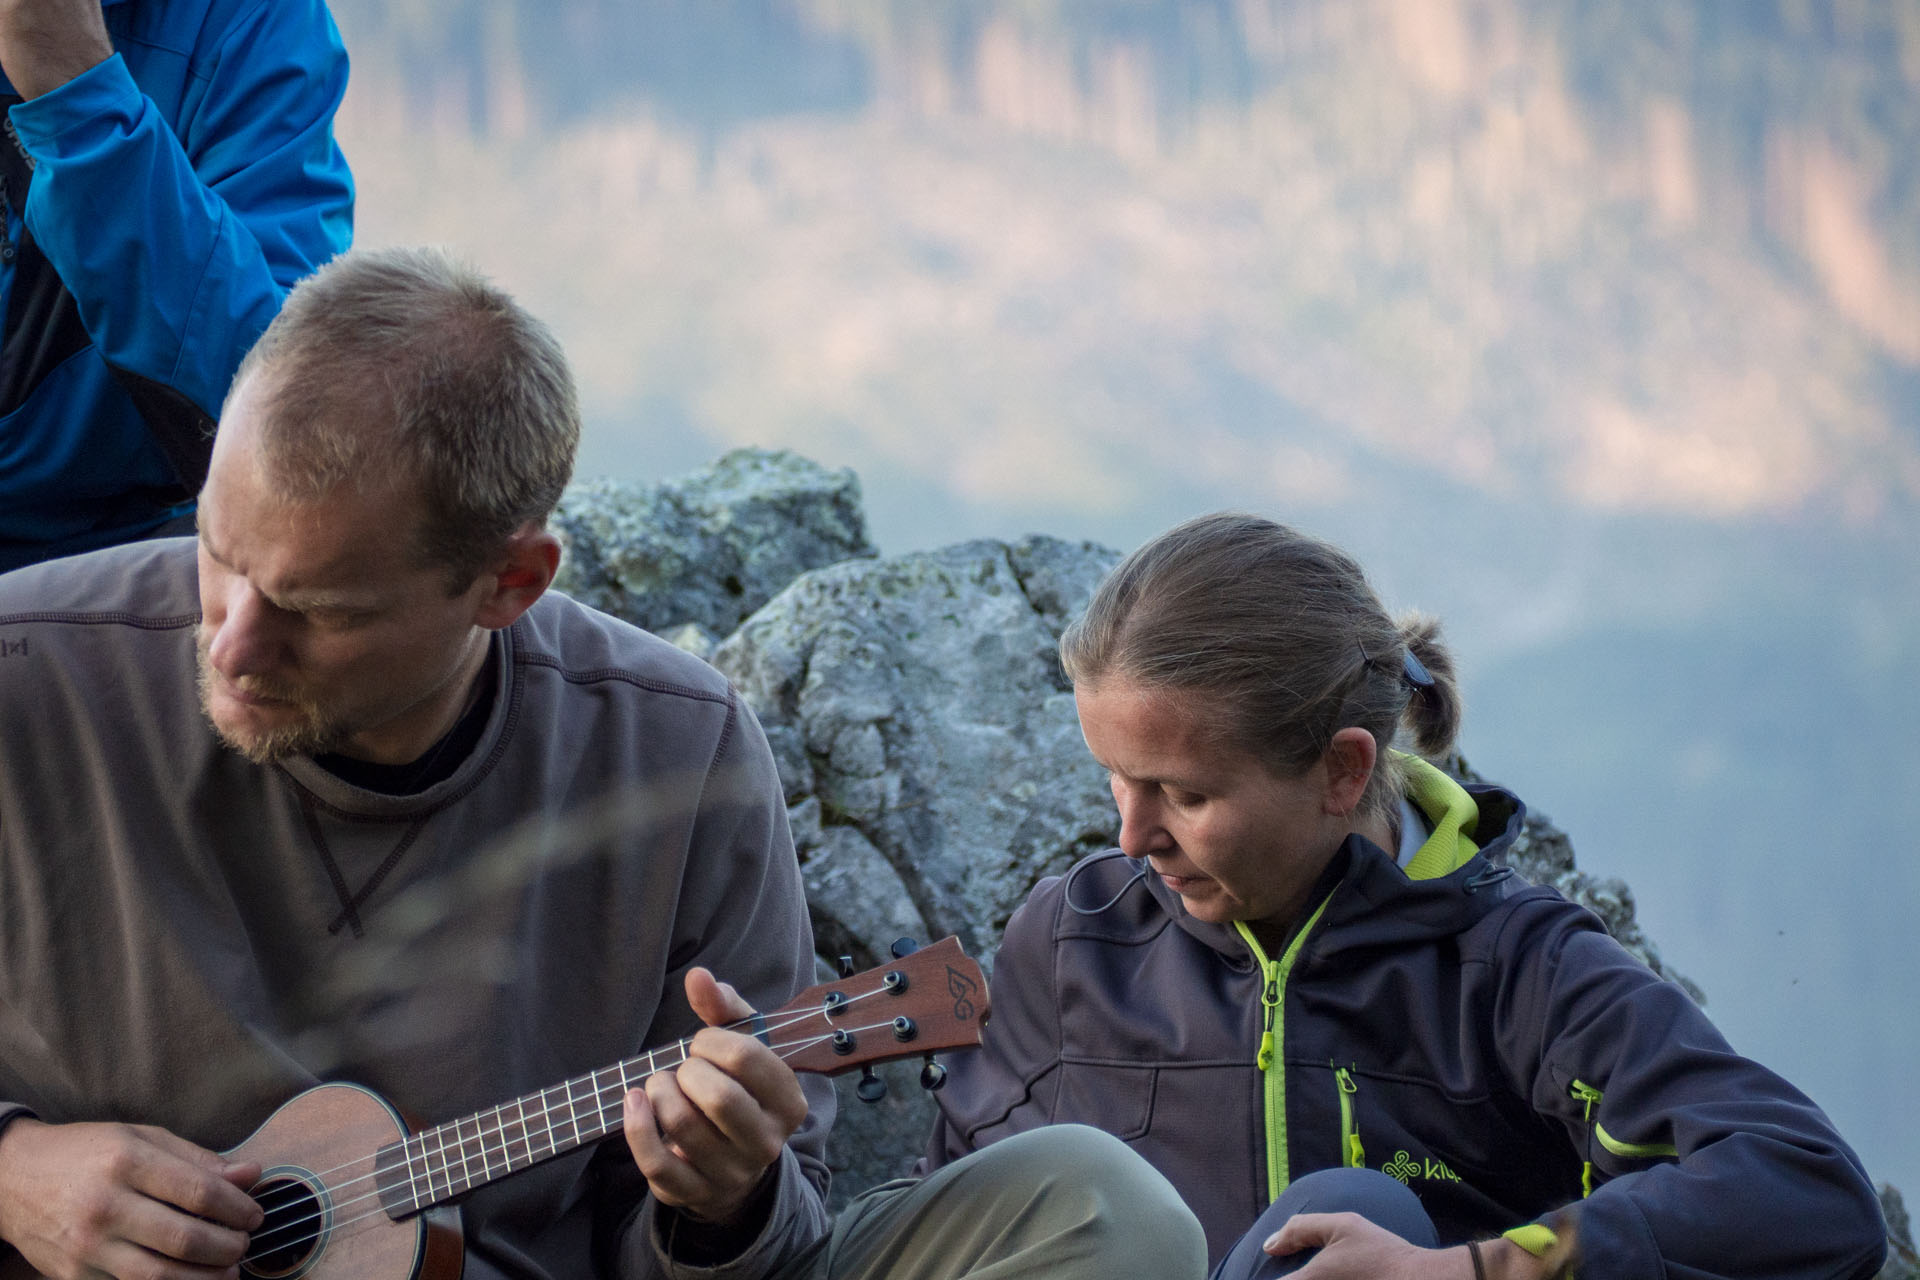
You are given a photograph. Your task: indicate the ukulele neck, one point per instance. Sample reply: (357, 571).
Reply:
(445, 1162)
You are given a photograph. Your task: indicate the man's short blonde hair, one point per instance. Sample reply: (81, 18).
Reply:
(406, 364)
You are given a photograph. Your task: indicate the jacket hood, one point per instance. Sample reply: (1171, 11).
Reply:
(1454, 878)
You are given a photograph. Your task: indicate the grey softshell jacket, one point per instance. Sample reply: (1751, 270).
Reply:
(1481, 1039)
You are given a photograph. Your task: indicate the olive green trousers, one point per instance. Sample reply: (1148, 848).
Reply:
(1063, 1202)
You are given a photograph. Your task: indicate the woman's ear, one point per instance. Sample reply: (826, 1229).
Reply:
(1350, 761)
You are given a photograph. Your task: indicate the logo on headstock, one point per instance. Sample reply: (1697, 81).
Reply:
(962, 989)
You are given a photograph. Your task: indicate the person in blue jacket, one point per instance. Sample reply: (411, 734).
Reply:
(168, 171)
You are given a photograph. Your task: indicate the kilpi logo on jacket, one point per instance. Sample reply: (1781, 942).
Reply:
(1405, 1168)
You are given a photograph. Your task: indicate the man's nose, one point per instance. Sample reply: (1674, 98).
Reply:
(247, 636)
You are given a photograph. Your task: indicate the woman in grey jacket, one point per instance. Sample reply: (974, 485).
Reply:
(1308, 955)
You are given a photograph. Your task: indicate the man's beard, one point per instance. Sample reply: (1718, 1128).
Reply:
(315, 729)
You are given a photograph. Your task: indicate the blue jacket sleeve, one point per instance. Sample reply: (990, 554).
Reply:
(1703, 1163)
(179, 240)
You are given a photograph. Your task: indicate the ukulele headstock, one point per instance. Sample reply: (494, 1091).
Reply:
(924, 1002)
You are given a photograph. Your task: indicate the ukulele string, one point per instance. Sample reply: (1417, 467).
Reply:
(784, 1051)
(603, 1110)
(795, 1018)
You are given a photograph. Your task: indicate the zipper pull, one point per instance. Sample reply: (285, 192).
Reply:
(1270, 1001)
(1591, 1096)
(1356, 1155)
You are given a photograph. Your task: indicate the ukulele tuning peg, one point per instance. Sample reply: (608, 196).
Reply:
(903, 947)
(933, 1075)
(846, 966)
(871, 1087)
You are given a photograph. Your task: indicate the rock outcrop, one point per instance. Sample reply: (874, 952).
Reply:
(692, 558)
(925, 733)
(926, 736)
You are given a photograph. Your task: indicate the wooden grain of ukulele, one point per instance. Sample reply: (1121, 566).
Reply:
(350, 1194)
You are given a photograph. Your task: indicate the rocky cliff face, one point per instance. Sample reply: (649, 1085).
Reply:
(925, 733)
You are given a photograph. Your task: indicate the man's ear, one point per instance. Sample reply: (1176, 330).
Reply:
(1350, 759)
(520, 574)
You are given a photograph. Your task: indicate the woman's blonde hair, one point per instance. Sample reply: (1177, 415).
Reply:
(1280, 635)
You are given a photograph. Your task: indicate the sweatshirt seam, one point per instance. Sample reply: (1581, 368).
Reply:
(726, 733)
(77, 618)
(597, 675)
(719, 753)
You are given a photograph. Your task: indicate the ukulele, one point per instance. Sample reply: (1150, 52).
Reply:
(350, 1194)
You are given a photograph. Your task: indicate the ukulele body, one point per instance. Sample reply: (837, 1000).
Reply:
(324, 1218)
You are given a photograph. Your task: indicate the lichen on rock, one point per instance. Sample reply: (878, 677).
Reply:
(710, 548)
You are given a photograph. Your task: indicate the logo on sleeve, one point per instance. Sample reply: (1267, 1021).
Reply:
(1405, 1168)
(13, 648)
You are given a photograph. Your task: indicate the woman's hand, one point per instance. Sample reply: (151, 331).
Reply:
(1352, 1247)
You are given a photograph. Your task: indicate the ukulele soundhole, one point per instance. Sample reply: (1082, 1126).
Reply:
(298, 1219)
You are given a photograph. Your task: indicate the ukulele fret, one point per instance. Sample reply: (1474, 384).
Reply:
(548, 1106)
(467, 1181)
(602, 1126)
(526, 1139)
(439, 1164)
(493, 1128)
(439, 1147)
(573, 1115)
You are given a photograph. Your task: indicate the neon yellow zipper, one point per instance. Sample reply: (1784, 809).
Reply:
(1271, 1081)
(1270, 1059)
(1584, 1092)
(1351, 1151)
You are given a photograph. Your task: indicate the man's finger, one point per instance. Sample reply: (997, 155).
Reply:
(672, 1179)
(713, 1001)
(683, 1126)
(220, 1195)
(765, 1080)
(742, 1126)
(164, 1230)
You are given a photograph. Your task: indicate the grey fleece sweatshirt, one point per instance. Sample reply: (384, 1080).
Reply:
(188, 939)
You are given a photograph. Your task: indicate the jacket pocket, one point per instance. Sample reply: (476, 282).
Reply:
(1590, 1099)
(1111, 1096)
(1463, 1153)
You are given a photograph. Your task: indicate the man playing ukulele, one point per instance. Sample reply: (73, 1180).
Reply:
(339, 791)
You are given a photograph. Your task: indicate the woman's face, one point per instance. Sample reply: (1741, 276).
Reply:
(1221, 830)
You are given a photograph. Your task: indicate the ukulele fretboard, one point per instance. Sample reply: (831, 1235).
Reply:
(449, 1160)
